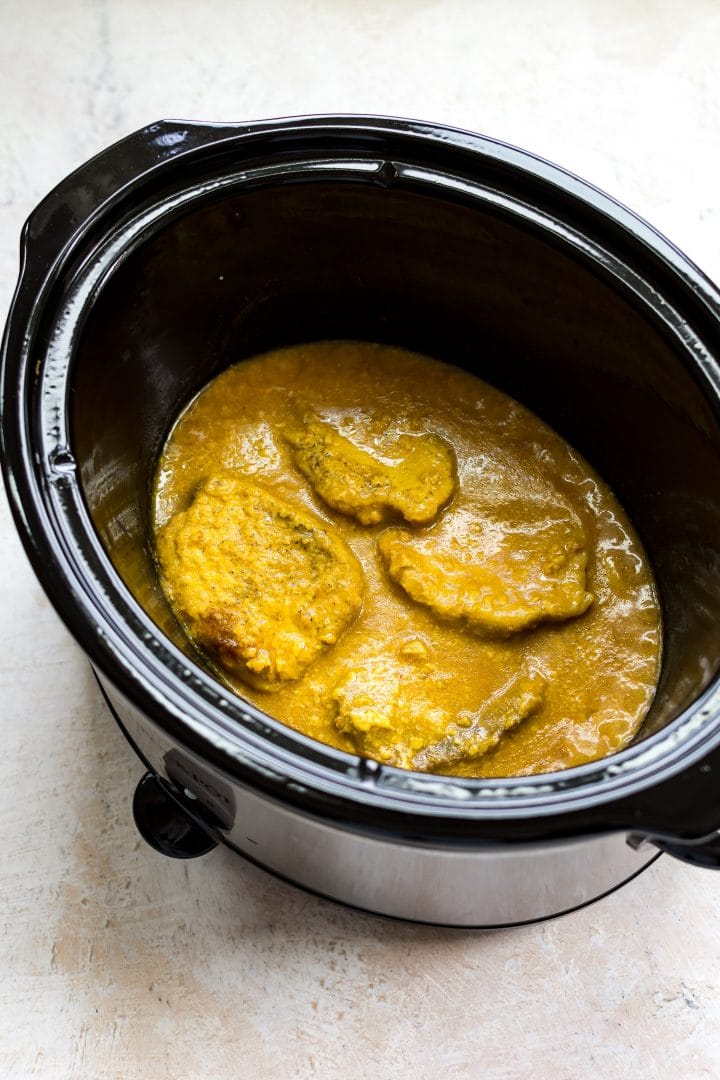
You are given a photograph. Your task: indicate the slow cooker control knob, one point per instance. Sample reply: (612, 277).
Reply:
(165, 824)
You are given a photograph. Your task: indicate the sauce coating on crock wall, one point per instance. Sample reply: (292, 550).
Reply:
(393, 557)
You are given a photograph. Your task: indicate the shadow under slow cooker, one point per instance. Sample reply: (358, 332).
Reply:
(322, 260)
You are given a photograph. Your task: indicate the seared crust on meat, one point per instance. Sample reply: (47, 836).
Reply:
(494, 575)
(262, 584)
(383, 705)
(417, 481)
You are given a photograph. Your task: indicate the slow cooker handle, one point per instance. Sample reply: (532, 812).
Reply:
(166, 822)
(70, 208)
(704, 852)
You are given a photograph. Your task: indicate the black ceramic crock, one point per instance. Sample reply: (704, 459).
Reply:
(186, 247)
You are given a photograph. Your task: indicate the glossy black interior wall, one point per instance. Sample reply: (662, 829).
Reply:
(322, 260)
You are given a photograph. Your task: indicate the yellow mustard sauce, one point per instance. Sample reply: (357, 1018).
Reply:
(389, 555)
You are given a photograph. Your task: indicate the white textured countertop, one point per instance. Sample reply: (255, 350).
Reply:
(117, 963)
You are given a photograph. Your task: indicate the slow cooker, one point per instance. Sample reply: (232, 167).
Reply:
(188, 246)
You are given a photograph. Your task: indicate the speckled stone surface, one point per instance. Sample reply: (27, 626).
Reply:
(115, 963)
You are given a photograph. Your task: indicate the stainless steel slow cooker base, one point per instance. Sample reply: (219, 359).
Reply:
(486, 886)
